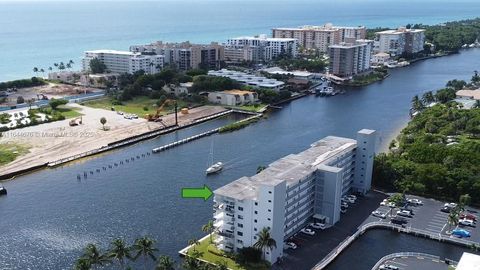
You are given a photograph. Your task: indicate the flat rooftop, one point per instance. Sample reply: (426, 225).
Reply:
(112, 52)
(291, 168)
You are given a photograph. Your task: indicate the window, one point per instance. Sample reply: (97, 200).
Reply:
(240, 217)
(240, 233)
(239, 241)
(240, 208)
(254, 237)
(256, 203)
(240, 225)
(256, 212)
(255, 220)
(255, 229)
(269, 192)
(269, 219)
(269, 210)
(269, 201)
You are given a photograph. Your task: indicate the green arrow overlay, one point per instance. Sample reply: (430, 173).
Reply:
(192, 193)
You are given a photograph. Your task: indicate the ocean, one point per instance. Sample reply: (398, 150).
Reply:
(40, 33)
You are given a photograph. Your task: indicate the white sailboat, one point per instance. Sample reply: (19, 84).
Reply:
(214, 168)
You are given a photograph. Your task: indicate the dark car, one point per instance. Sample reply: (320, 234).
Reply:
(399, 220)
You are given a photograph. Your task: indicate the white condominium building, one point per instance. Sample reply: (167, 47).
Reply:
(260, 48)
(349, 59)
(397, 42)
(185, 55)
(293, 191)
(258, 82)
(233, 97)
(124, 61)
(321, 37)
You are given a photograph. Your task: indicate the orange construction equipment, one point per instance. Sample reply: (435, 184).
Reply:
(157, 115)
(184, 110)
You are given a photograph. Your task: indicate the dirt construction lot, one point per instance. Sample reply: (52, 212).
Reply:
(53, 141)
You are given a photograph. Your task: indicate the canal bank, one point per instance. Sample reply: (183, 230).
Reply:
(49, 216)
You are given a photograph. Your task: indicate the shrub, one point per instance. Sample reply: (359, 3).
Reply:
(20, 100)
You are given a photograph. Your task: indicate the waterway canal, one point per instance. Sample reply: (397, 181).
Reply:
(49, 216)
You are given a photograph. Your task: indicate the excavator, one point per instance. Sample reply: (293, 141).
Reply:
(157, 116)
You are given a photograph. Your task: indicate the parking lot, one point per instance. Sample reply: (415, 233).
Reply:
(415, 263)
(428, 217)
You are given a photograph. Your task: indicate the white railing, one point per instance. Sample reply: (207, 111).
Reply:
(407, 254)
(344, 244)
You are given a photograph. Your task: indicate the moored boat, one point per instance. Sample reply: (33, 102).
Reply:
(3, 190)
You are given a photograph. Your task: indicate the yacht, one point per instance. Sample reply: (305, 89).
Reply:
(3, 190)
(214, 168)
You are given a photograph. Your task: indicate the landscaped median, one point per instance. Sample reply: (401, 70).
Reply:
(206, 251)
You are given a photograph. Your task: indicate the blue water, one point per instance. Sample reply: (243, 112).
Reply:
(40, 33)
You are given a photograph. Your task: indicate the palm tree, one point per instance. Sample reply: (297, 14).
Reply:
(120, 251)
(144, 246)
(193, 242)
(50, 68)
(61, 66)
(55, 65)
(82, 264)
(43, 72)
(30, 102)
(417, 104)
(165, 263)
(209, 228)
(265, 241)
(35, 69)
(94, 256)
(103, 121)
(71, 62)
(428, 97)
(452, 219)
(69, 66)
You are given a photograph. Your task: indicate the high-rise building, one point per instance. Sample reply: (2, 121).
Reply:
(260, 48)
(321, 37)
(185, 55)
(397, 42)
(293, 191)
(124, 61)
(349, 59)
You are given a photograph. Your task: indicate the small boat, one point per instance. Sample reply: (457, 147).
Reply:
(3, 190)
(214, 168)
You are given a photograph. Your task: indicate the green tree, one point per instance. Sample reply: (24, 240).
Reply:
(54, 103)
(94, 256)
(120, 251)
(103, 121)
(97, 66)
(265, 241)
(452, 220)
(144, 247)
(193, 242)
(417, 104)
(464, 201)
(82, 264)
(35, 69)
(165, 263)
(209, 228)
(20, 100)
(428, 97)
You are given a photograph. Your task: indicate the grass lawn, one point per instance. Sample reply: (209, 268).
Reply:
(69, 112)
(210, 253)
(9, 152)
(134, 106)
(251, 108)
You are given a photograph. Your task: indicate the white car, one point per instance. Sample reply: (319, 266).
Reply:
(320, 226)
(450, 205)
(384, 202)
(350, 200)
(290, 245)
(344, 205)
(351, 196)
(415, 201)
(466, 222)
(378, 214)
(404, 213)
(391, 204)
(307, 231)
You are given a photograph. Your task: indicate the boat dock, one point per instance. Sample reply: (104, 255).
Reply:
(186, 140)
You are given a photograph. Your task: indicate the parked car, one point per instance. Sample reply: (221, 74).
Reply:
(290, 245)
(468, 216)
(466, 222)
(461, 233)
(352, 196)
(320, 226)
(408, 210)
(399, 220)
(344, 205)
(415, 201)
(343, 210)
(450, 205)
(350, 200)
(307, 231)
(446, 209)
(379, 214)
(384, 202)
(404, 213)
(388, 267)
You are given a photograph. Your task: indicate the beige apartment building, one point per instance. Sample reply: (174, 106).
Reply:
(321, 37)
(185, 55)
